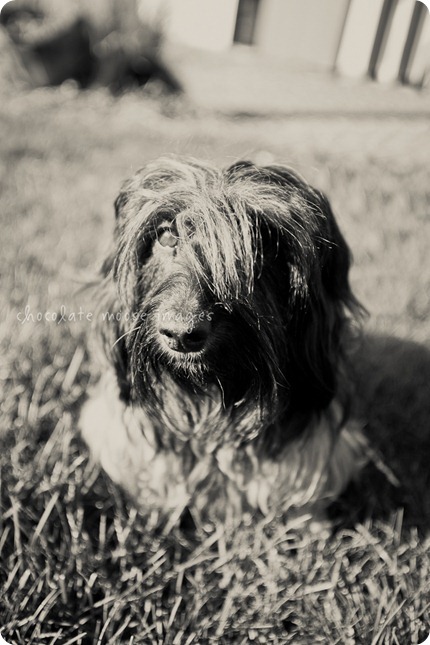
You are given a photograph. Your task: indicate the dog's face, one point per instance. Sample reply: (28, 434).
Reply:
(234, 281)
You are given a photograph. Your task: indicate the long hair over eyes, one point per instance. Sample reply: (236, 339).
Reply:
(264, 246)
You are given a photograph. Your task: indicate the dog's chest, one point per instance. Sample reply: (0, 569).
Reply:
(194, 463)
(212, 475)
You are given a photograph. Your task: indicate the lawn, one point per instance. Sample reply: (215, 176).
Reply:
(78, 563)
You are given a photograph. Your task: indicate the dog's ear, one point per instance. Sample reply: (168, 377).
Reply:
(115, 291)
(108, 328)
(324, 325)
(318, 331)
(122, 200)
(335, 260)
(130, 196)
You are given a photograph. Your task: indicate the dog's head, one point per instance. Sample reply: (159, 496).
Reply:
(234, 280)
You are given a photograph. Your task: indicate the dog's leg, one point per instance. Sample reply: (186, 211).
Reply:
(109, 429)
(121, 439)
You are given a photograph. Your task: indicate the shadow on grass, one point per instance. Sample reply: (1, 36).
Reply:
(393, 393)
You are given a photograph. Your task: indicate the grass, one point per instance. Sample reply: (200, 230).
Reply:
(78, 564)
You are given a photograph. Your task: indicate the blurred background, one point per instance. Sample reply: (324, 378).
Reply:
(118, 44)
(337, 88)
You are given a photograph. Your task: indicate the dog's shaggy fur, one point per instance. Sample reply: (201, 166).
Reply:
(225, 318)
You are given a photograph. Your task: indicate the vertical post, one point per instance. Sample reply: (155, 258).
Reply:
(381, 35)
(246, 21)
(415, 28)
(342, 29)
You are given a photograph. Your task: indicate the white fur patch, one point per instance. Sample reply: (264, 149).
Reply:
(310, 470)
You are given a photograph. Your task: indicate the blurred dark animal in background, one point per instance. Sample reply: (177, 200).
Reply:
(54, 59)
(124, 57)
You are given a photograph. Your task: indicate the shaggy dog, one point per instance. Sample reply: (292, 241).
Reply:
(225, 318)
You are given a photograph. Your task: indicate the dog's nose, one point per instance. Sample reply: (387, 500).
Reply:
(182, 338)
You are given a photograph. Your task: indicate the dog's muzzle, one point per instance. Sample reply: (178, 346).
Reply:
(181, 336)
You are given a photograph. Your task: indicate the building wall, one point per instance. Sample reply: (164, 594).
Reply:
(388, 40)
(301, 30)
(361, 29)
(206, 24)
(355, 37)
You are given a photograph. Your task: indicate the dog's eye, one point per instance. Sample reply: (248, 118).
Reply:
(166, 238)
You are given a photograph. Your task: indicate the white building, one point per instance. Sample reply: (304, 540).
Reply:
(386, 39)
